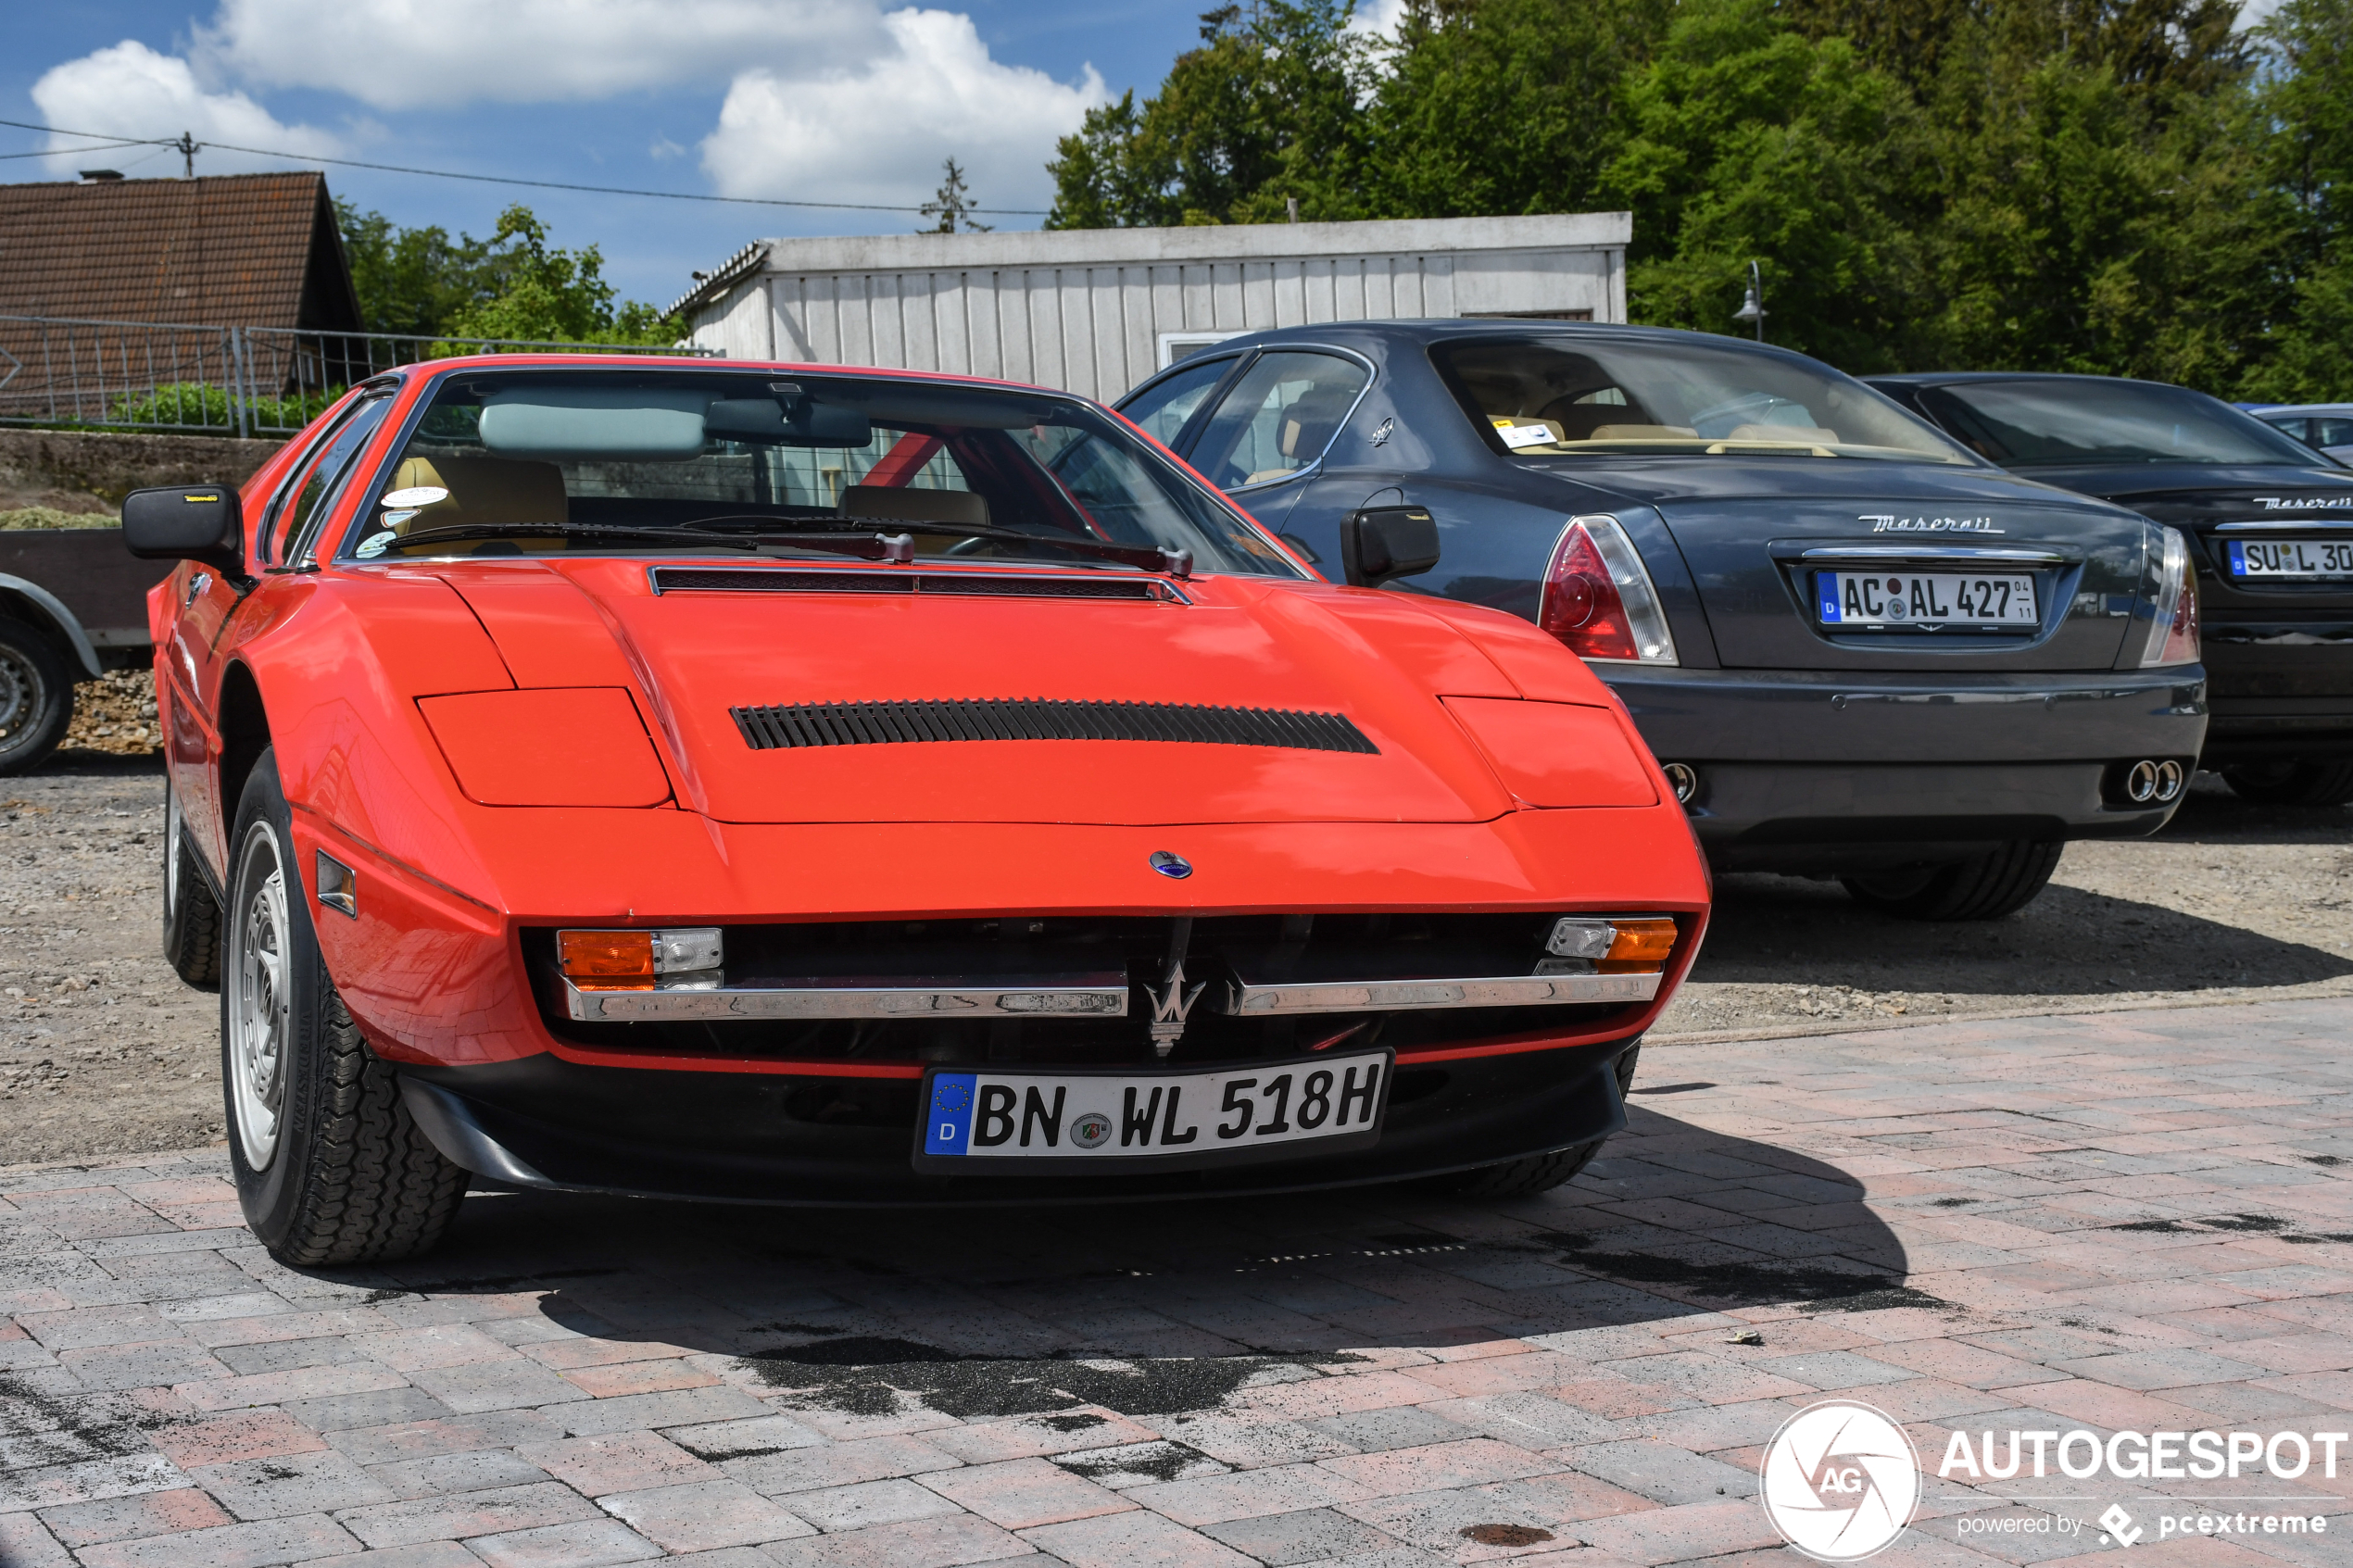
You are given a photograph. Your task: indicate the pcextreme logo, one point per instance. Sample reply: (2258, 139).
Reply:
(1840, 1481)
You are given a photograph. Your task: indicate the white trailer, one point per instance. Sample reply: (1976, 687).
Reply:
(1096, 311)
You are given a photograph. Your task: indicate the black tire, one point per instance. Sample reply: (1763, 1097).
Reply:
(330, 1167)
(2291, 783)
(191, 914)
(1982, 888)
(1541, 1173)
(36, 696)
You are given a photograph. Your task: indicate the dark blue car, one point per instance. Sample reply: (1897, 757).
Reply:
(2270, 522)
(1859, 648)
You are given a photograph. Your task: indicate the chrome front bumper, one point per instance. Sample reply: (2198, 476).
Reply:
(1086, 995)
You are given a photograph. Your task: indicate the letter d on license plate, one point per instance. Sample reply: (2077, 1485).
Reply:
(1073, 1119)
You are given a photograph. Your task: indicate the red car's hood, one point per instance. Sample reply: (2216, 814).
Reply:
(693, 656)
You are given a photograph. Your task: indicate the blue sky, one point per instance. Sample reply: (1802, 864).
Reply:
(839, 100)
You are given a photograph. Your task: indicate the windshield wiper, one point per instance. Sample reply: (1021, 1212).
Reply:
(1146, 558)
(1149, 558)
(870, 547)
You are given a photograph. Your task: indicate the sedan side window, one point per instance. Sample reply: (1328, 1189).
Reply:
(1279, 418)
(1163, 408)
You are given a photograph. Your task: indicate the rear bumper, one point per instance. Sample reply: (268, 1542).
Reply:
(1802, 770)
(2281, 690)
(544, 1122)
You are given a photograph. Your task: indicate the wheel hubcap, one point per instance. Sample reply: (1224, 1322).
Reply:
(261, 1011)
(21, 698)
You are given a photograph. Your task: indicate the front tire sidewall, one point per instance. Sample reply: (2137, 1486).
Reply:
(269, 1195)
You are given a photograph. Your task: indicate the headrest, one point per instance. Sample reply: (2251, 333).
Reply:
(891, 503)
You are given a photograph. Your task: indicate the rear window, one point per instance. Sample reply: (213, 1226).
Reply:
(1549, 398)
(2061, 422)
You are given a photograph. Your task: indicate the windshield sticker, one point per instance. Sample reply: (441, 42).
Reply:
(1887, 523)
(1519, 436)
(415, 495)
(2304, 503)
(374, 544)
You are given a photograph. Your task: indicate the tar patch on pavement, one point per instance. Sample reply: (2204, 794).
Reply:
(861, 1374)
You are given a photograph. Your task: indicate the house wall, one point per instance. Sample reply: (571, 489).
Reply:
(1086, 311)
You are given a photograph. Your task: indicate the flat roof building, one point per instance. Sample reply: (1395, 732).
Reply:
(1096, 311)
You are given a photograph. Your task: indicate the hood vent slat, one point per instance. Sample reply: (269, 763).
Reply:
(966, 584)
(788, 726)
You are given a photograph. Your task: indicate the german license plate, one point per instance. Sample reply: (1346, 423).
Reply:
(2289, 559)
(1925, 601)
(1082, 1118)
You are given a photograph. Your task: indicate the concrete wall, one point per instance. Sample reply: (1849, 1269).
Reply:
(1086, 309)
(86, 471)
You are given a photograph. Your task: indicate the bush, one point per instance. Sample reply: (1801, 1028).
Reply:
(205, 407)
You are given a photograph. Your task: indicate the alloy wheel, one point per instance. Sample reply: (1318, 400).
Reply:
(260, 1015)
(23, 698)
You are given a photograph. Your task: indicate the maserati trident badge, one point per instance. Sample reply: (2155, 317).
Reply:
(1172, 1003)
(1171, 865)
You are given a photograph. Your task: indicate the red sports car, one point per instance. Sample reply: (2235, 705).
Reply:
(793, 784)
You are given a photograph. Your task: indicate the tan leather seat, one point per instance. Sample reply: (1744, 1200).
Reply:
(890, 503)
(493, 490)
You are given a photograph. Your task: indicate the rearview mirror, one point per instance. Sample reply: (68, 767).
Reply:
(1381, 544)
(199, 522)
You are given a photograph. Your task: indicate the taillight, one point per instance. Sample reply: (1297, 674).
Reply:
(2174, 631)
(1598, 598)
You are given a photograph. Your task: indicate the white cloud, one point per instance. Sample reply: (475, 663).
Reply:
(877, 131)
(130, 90)
(1377, 19)
(409, 54)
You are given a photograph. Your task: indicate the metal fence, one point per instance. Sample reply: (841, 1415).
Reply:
(168, 378)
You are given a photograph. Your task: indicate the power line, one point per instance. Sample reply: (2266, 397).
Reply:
(500, 179)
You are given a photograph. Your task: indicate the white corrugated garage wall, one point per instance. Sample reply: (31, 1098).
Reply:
(1007, 306)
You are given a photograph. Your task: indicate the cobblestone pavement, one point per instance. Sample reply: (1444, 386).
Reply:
(2138, 1221)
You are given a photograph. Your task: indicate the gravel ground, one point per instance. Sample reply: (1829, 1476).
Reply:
(104, 1051)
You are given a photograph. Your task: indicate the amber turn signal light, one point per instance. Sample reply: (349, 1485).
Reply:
(606, 955)
(1640, 947)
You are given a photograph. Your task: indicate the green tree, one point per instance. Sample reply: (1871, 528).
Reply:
(1266, 109)
(2306, 104)
(514, 285)
(1490, 106)
(1748, 141)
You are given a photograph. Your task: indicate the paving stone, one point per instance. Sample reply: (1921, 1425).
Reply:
(1314, 1534)
(1133, 1540)
(468, 1514)
(148, 1513)
(1020, 1493)
(286, 1484)
(703, 1516)
(866, 1503)
(227, 1546)
(474, 1470)
(589, 1544)
(944, 1542)
(1663, 1472)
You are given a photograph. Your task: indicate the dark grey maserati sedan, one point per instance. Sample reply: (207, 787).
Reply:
(2270, 522)
(1860, 649)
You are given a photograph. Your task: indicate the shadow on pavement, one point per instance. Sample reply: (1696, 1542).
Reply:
(1172, 1307)
(2068, 942)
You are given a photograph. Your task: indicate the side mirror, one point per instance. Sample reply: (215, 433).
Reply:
(1384, 543)
(199, 522)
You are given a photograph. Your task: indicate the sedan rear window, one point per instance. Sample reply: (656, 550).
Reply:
(535, 462)
(1543, 398)
(2059, 421)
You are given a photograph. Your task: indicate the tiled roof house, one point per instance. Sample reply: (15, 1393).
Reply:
(245, 250)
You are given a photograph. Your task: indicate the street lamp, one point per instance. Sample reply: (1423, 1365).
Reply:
(1751, 309)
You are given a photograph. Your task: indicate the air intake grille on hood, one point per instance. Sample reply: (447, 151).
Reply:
(986, 584)
(888, 723)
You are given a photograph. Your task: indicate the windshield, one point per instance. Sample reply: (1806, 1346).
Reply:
(1548, 397)
(538, 462)
(2065, 420)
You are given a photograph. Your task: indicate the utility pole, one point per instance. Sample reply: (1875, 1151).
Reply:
(187, 146)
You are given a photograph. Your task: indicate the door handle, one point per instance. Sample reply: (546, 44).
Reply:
(196, 587)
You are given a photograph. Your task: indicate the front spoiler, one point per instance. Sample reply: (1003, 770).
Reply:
(549, 1123)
